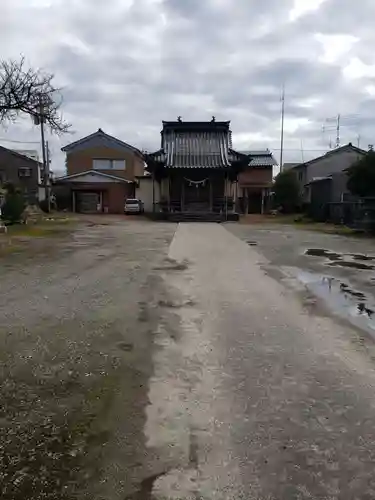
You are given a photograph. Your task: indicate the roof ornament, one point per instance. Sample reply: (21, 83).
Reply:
(179, 119)
(213, 119)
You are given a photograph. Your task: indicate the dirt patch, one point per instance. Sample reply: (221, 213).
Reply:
(173, 265)
(176, 305)
(145, 488)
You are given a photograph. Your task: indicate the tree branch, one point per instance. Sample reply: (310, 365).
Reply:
(23, 90)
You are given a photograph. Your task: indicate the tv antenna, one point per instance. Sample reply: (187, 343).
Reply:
(335, 123)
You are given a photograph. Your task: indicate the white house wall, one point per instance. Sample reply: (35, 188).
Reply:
(144, 193)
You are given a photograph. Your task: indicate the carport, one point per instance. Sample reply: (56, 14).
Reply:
(96, 192)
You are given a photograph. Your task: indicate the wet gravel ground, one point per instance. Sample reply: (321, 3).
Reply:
(76, 338)
(331, 274)
(345, 258)
(259, 396)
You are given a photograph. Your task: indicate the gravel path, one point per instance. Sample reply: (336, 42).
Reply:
(76, 336)
(254, 396)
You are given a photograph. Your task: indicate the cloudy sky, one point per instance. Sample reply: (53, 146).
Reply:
(125, 65)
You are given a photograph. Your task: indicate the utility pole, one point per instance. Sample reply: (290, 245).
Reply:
(48, 163)
(282, 128)
(41, 119)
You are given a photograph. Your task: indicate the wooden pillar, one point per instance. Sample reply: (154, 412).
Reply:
(153, 191)
(235, 204)
(246, 196)
(226, 195)
(101, 201)
(182, 194)
(262, 207)
(169, 191)
(74, 201)
(211, 195)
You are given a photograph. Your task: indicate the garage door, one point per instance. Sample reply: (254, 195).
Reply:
(87, 202)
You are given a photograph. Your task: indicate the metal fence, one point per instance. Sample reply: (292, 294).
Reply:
(358, 214)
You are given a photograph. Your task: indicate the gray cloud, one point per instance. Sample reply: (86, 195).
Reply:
(126, 65)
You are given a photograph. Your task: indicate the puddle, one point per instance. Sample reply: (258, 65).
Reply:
(352, 265)
(320, 252)
(359, 256)
(341, 299)
(350, 260)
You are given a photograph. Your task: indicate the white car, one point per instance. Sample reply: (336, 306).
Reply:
(133, 206)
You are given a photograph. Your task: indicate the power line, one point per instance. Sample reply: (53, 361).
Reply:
(299, 149)
(18, 142)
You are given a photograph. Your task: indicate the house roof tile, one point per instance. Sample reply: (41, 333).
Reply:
(260, 158)
(100, 134)
(92, 172)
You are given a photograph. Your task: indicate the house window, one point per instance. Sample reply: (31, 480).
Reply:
(300, 176)
(102, 164)
(24, 172)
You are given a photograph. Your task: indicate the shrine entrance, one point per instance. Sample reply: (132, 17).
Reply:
(197, 194)
(197, 191)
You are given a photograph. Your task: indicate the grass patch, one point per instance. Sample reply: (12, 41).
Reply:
(303, 222)
(19, 237)
(327, 228)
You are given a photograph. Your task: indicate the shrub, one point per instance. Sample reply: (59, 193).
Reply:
(13, 207)
(286, 191)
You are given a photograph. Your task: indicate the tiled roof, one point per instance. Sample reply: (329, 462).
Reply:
(204, 145)
(196, 145)
(96, 173)
(204, 149)
(262, 158)
(102, 139)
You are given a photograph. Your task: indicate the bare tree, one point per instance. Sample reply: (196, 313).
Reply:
(30, 91)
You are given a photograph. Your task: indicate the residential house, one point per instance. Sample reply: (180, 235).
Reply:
(101, 173)
(22, 171)
(34, 155)
(255, 182)
(333, 165)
